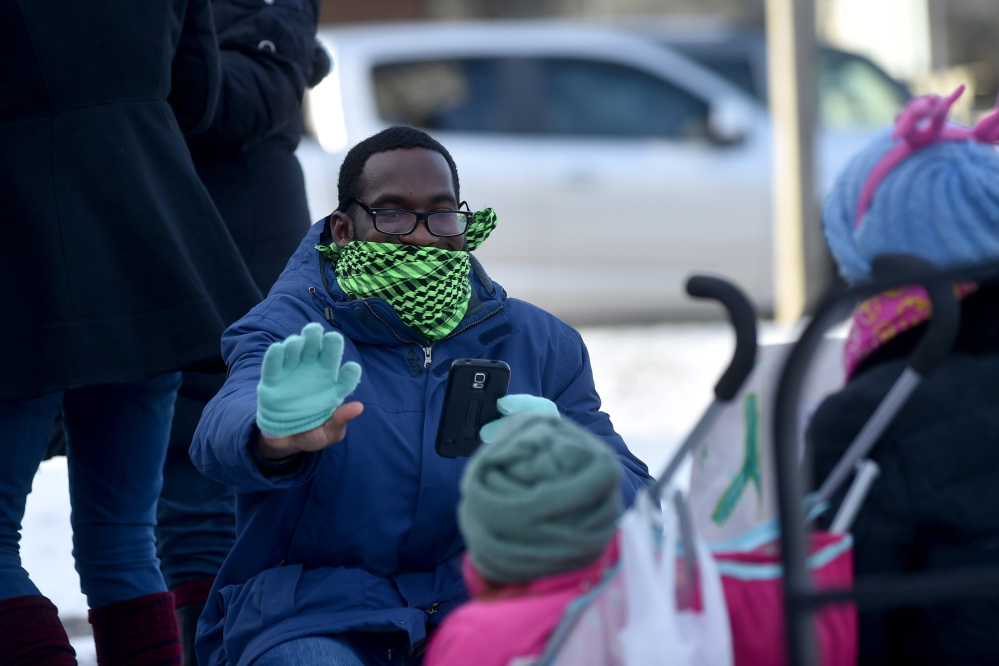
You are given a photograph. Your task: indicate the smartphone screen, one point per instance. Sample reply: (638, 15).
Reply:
(473, 387)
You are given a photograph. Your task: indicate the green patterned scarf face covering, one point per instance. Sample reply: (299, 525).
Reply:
(427, 287)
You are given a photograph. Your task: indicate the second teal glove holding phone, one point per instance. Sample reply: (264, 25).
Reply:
(302, 382)
(517, 403)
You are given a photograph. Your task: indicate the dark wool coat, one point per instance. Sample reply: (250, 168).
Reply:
(246, 159)
(934, 505)
(246, 156)
(115, 265)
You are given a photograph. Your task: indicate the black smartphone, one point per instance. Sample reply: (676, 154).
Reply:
(473, 386)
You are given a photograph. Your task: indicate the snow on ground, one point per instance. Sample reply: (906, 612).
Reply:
(46, 552)
(655, 382)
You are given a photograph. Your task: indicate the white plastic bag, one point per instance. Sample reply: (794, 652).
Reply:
(589, 633)
(657, 630)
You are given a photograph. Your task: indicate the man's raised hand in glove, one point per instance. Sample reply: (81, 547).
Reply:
(301, 391)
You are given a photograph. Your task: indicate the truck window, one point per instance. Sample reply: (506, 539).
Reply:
(595, 98)
(735, 69)
(853, 93)
(457, 95)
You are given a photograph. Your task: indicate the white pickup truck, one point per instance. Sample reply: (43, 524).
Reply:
(617, 166)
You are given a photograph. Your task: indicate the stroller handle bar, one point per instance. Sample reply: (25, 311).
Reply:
(740, 312)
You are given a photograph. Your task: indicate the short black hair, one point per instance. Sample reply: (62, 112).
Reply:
(393, 138)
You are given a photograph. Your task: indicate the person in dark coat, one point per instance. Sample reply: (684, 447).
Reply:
(930, 190)
(347, 548)
(246, 160)
(117, 272)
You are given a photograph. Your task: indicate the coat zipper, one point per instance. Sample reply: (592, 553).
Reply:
(428, 351)
(327, 310)
(427, 354)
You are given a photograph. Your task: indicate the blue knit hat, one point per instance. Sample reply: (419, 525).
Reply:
(928, 189)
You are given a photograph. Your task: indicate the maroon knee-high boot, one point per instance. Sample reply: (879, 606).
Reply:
(137, 632)
(31, 633)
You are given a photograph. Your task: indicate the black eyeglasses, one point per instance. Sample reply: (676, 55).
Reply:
(399, 222)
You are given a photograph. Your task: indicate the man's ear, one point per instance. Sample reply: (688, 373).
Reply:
(340, 228)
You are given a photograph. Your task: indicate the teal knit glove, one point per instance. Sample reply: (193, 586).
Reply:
(301, 382)
(517, 403)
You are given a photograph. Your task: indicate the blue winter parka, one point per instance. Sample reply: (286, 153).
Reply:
(363, 535)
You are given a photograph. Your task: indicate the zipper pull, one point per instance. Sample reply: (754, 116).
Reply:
(426, 357)
(432, 608)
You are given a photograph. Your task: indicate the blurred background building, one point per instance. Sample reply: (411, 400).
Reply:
(930, 44)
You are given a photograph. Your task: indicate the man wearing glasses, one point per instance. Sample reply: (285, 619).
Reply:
(348, 550)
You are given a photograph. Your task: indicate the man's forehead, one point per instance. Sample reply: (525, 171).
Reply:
(417, 170)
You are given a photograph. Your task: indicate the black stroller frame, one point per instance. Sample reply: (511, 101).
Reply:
(801, 599)
(743, 319)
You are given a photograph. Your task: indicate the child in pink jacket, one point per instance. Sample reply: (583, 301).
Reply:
(538, 510)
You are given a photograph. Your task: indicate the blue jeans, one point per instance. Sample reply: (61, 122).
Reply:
(354, 649)
(196, 518)
(116, 440)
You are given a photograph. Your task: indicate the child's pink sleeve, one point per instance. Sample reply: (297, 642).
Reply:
(466, 636)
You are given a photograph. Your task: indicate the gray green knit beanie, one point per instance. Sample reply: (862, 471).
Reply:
(541, 499)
